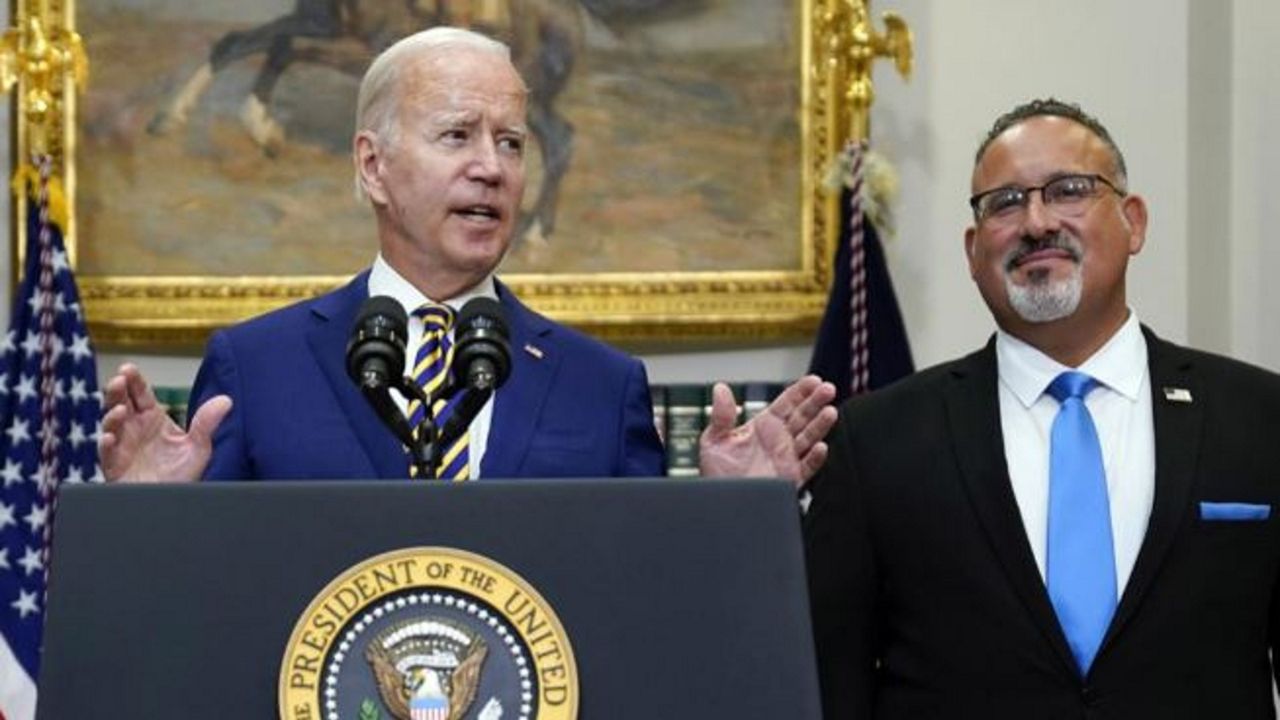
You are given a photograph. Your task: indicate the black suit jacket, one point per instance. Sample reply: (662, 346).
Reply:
(926, 598)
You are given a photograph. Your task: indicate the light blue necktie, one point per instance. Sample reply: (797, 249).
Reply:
(1080, 562)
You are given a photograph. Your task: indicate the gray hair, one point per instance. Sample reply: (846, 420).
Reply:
(1055, 108)
(379, 95)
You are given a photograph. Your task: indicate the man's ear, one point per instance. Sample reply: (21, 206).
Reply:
(970, 235)
(366, 153)
(1135, 213)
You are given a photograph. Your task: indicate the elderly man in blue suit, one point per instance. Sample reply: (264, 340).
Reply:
(438, 152)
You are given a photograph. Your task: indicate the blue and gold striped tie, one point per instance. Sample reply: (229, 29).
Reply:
(430, 370)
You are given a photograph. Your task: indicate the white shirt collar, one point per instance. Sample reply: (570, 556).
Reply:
(384, 280)
(1120, 364)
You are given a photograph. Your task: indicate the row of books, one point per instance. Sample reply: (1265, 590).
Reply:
(680, 412)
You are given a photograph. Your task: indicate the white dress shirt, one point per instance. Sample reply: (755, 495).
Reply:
(1121, 410)
(384, 280)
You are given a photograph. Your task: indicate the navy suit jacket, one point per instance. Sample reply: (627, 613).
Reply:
(571, 407)
(927, 602)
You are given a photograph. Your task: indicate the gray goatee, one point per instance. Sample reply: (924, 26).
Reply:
(1042, 298)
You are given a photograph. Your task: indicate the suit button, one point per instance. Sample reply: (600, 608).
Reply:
(1089, 696)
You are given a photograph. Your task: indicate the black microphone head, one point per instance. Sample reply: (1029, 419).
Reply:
(382, 305)
(485, 313)
(375, 353)
(482, 351)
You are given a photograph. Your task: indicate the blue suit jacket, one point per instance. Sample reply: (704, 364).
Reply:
(571, 407)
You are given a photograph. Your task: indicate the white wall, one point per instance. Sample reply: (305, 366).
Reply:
(1254, 212)
(1124, 62)
(1189, 93)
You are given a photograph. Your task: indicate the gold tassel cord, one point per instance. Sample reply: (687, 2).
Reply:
(26, 184)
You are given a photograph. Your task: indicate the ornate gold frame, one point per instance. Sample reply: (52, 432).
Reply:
(837, 48)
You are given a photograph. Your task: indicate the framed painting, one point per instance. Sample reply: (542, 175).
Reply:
(675, 187)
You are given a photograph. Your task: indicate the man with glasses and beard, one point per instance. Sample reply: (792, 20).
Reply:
(1074, 521)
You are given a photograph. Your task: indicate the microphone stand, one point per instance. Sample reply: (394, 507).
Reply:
(460, 421)
(424, 449)
(429, 443)
(481, 381)
(376, 390)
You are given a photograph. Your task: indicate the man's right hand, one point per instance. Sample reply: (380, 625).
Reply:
(141, 443)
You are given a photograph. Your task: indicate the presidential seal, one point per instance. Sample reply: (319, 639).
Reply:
(428, 634)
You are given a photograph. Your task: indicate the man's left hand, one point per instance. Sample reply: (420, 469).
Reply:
(785, 440)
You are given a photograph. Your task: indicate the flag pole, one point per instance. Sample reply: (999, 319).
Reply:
(45, 60)
(50, 410)
(852, 47)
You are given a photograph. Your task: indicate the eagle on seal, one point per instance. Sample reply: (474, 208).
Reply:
(427, 668)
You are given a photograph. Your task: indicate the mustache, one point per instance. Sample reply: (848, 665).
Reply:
(1057, 241)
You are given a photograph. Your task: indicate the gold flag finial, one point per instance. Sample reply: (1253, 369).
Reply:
(853, 45)
(41, 57)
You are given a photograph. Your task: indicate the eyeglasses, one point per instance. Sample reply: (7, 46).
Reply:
(1066, 195)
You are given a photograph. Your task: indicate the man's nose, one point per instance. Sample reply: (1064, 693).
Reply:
(485, 164)
(1040, 218)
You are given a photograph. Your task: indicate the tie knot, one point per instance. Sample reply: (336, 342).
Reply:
(1071, 384)
(435, 316)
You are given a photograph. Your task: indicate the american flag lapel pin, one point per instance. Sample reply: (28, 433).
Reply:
(1177, 394)
(533, 350)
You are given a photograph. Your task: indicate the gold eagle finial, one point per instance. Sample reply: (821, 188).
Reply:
(853, 45)
(42, 58)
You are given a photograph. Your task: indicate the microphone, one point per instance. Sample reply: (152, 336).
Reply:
(481, 362)
(375, 359)
(375, 353)
(481, 351)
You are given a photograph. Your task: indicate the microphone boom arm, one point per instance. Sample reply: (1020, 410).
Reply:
(460, 421)
(375, 392)
(424, 449)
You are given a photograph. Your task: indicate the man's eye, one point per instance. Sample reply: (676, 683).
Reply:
(1071, 188)
(1004, 200)
(454, 135)
(513, 145)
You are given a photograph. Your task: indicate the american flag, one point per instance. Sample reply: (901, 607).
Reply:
(862, 342)
(50, 411)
